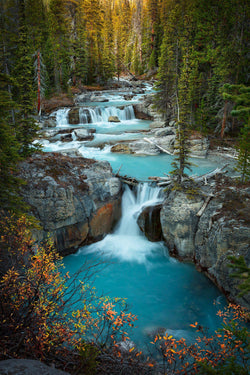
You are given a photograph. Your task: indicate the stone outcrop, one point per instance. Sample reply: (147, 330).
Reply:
(73, 116)
(122, 148)
(198, 146)
(27, 367)
(142, 147)
(149, 223)
(208, 238)
(179, 223)
(145, 109)
(84, 134)
(76, 200)
(113, 119)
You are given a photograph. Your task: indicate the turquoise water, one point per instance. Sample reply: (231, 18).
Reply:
(143, 167)
(165, 294)
(162, 292)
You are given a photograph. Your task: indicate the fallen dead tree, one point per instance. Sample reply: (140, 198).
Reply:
(156, 145)
(164, 181)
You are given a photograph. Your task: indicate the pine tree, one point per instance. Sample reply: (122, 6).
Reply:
(181, 161)
(57, 49)
(240, 95)
(25, 94)
(9, 150)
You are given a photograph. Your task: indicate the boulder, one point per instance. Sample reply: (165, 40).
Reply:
(142, 113)
(199, 147)
(146, 108)
(122, 148)
(164, 132)
(66, 137)
(113, 119)
(76, 200)
(27, 367)
(149, 223)
(83, 134)
(73, 116)
(143, 148)
(167, 142)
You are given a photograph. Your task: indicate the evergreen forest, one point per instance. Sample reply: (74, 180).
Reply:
(196, 53)
(196, 50)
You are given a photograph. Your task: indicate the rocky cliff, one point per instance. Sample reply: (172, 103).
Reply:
(76, 200)
(206, 225)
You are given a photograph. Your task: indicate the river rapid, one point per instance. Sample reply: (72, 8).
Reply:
(164, 293)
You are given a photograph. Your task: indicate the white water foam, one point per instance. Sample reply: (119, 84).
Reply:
(128, 243)
(101, 114)
(62, 117)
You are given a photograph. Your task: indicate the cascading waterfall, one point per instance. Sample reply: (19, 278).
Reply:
(133, 204)
(162, 292)
(102, 114)
(127, 242)
(62, 117)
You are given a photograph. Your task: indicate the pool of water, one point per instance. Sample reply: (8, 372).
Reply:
(165, 294)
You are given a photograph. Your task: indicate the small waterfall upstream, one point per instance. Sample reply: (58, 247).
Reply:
(96, 115)
(62, 117)
(127, 242)
(102, 114)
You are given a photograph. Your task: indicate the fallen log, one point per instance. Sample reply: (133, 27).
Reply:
(161, 181)
(155, 144)
(209, 175)
(202, 209)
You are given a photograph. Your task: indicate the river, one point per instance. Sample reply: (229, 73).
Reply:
(161, 291)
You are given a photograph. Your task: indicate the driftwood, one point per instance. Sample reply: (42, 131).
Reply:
(164, 181)
(128, 180)
(209, 175)
(202, 209)
(156, 145)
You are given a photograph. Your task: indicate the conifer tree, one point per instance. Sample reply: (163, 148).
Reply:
(57, 49)
(240, 95)
(25, 94)
(9, 150)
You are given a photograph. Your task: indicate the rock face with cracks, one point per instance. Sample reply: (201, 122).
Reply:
(208, 237)
(76, 200)
(205, 226)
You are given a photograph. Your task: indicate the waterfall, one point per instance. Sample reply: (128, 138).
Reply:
(62, 117)
(127, 242)
(102, 114)
(132, 206)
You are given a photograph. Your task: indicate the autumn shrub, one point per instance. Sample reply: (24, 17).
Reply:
(47, 315)
(224, 352)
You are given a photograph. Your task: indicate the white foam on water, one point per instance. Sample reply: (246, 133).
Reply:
(128, 243)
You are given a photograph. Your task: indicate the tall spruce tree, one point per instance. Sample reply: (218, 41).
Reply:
(25, 93)
(240, 95)
(9, 150)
